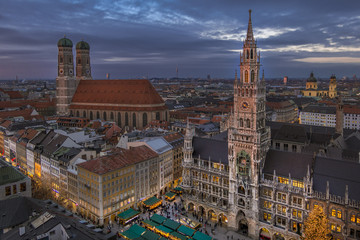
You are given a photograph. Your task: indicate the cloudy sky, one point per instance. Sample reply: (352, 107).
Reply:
(137, 38)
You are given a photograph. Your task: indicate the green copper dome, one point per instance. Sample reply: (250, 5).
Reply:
(83, 45)
(311, 78)
(65, 42)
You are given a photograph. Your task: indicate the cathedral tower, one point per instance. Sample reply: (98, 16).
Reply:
(65, 81)
(249, 138)
(83, 69)
(332, 87)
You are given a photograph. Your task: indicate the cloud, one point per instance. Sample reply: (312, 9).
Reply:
(319, 48)
(339, 60)
(235, 34)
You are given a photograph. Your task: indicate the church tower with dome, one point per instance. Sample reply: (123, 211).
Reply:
(65, 81)
(83, 69)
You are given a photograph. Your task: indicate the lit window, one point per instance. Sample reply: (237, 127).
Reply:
(333, 212)
(338, 214)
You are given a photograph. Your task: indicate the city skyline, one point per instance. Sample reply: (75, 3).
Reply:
(135, 39)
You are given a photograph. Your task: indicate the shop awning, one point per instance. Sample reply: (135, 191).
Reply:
(186, 230)
(128, 214)
(171, 224)
(177, 236)
(149, 235)
(158, 218)
(201, 236)
(189, 223)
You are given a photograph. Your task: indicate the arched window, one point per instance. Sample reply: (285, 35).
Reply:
(248, 123)
(246, 76)
(252, 76)
(241, 202)
(157, 116)
(61, 60)
(91, 116)
(247, 54)
(241, 190)
(84, 114)
(144, 119)
(77, 114)
(126, 119)
(243, 163)
(111, 116)
(71, 112)
(252, 54)
(134, 120)
(104, 116)
(119, 119)
(97, 115)
(241, 122)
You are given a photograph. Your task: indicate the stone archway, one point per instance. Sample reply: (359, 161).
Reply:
(212, 215)
(222, 220)
(278, 236)
(242, 223)
(201, 210)
(264, 234)
(191, 207)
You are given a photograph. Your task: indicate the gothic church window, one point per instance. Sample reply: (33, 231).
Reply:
(111, 116)
(252, 54)
(119, 119)
(134, 120)
(252, 76)
(246, 76)
(97, 115)
(91, 116)
(157, 116)
(144, 119)
(248, 123)
(126, 119)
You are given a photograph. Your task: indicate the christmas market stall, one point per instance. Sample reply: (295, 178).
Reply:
(127, 216)
(152, 203)
(190, 223)
(158, 218)
(186, 231)
(177, 190)
(170, 196)
(134, 232)
(149, 224)
(201, 236)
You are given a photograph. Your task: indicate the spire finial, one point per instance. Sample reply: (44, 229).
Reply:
(249, 35)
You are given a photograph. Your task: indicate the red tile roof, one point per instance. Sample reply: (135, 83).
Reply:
(351, 109)
(173, 136)
(134, 93)
(118, 158)
(26, 113)
(14, 94)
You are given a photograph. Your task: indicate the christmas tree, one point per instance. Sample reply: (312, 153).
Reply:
(317, 225)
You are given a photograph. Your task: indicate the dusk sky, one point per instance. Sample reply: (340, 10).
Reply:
(137, 38)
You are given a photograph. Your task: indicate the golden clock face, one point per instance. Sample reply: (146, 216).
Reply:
(244, 105)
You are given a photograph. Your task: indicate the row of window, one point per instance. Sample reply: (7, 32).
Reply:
(14, 189)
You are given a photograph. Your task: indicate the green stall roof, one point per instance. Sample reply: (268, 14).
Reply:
(130, 213)
(137, 229)
(149, 235)
(151, 223)
(179, 189)
(171, 224)
(158, 218)
(130, 235)
(151, 201)
(170, 194)
(186, 230)
(164, 229)
(201, 236)
(178, 235)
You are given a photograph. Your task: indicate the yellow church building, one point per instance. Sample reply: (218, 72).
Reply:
(312, 89)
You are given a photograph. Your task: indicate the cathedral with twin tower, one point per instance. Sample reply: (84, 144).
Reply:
(127, 102)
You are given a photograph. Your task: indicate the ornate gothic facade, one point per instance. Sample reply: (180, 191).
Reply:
(262, 179)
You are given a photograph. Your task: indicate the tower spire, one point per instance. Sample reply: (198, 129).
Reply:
(250, 35)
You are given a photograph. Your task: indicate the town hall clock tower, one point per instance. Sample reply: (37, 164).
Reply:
(248, 139)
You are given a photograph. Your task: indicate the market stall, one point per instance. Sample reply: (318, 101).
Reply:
(127, 216)
(170, 196)
(152, 203)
